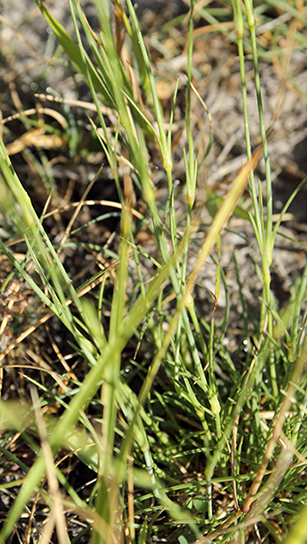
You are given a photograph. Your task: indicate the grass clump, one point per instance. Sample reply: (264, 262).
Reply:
(180, 437)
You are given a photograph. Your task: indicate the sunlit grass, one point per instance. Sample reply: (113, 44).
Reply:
(140, 426)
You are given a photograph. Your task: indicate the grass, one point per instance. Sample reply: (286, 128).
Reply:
(181, 437)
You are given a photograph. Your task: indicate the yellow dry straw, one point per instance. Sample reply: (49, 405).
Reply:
(221, 218)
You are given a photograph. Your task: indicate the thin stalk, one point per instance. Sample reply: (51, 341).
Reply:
(239, 31)
(263, 232)
(213, 397)
(269, 195)
(258, 221)
(111, 155)
(301, 295)
(81, 400)
(267, 254)
(191, 177)
(172, 214)
(162, 141)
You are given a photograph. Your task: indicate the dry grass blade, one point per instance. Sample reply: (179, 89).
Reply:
(221, 218)
(278, 425)
(78, 208)
(282, 465)
(47, 316)
(106, 203)
(35, 137)
(57, 506)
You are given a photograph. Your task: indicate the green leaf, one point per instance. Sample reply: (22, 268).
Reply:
(73, 51)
